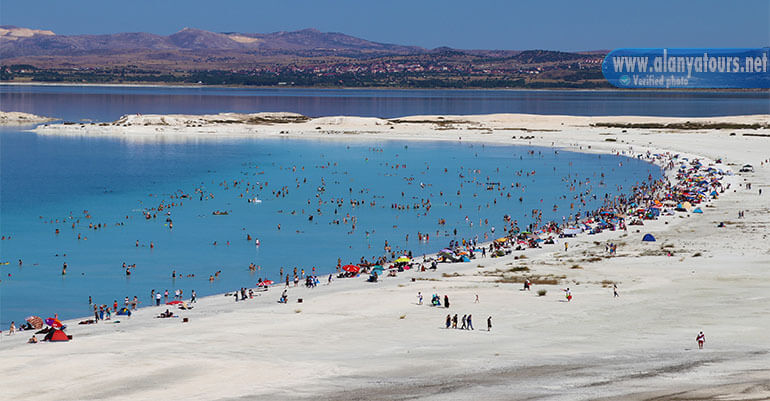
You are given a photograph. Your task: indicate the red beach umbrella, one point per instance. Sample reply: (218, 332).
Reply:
(35, 321)
(173, 303)
(351, 268)
(55, 323)
(266, 282)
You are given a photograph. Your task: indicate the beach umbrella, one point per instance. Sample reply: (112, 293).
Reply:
(572, 231)
(501, 239)
(351, 268)
(402, 259)
(377, 268)
(35, 321)
(173, 302)
(53, 322)
(266, 282)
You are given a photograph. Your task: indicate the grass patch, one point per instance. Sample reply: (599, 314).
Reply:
(534, 279)
(297, 310)
(402, 317)
(687, 125)
(576, 266)
(696, 254)
(447, 275)
(541, 293)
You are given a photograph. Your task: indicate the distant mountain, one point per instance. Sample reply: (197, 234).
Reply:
(300, 58)
(545, 56)
(10, 32)
(20, 42)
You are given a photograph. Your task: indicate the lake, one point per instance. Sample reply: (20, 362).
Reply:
(64, 183)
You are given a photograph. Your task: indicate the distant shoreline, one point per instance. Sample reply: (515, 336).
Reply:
(484, 128)
(383, 88)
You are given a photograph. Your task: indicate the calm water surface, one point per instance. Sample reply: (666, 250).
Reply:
(109, 103)
(113, 181)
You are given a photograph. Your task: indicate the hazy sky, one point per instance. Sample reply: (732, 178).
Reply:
(557, 25)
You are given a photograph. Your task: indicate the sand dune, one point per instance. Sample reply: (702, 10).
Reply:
(18, 118)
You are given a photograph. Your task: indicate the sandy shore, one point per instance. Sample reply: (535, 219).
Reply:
(18, 118)
(357, 340)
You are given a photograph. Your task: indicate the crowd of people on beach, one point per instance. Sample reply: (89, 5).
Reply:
(686, 182)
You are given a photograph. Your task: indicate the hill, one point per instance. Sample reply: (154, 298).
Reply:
(306, 57)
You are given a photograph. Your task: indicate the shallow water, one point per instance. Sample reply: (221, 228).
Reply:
(45, 178)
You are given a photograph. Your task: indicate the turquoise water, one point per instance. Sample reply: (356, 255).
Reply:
(113, 181)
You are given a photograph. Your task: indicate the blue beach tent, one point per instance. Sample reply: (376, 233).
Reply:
(648, 238)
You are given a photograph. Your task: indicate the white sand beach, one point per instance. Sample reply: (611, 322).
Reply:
(19, 118)
(371, 341)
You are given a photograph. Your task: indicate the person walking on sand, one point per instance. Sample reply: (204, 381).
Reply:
(12, 329)
(419, 298)
(615, 290)
(448, 321)
(470, 322)
(193, 295)
(700, 339)
(446, 301)
(465, 322)
(477, 299)
(568, 294)
(566, 246)
(454, 321)
(157, 298)
(489, 323)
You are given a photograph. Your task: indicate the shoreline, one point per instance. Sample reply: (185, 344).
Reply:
(15, 119)
(583, 341)
(382, 88)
